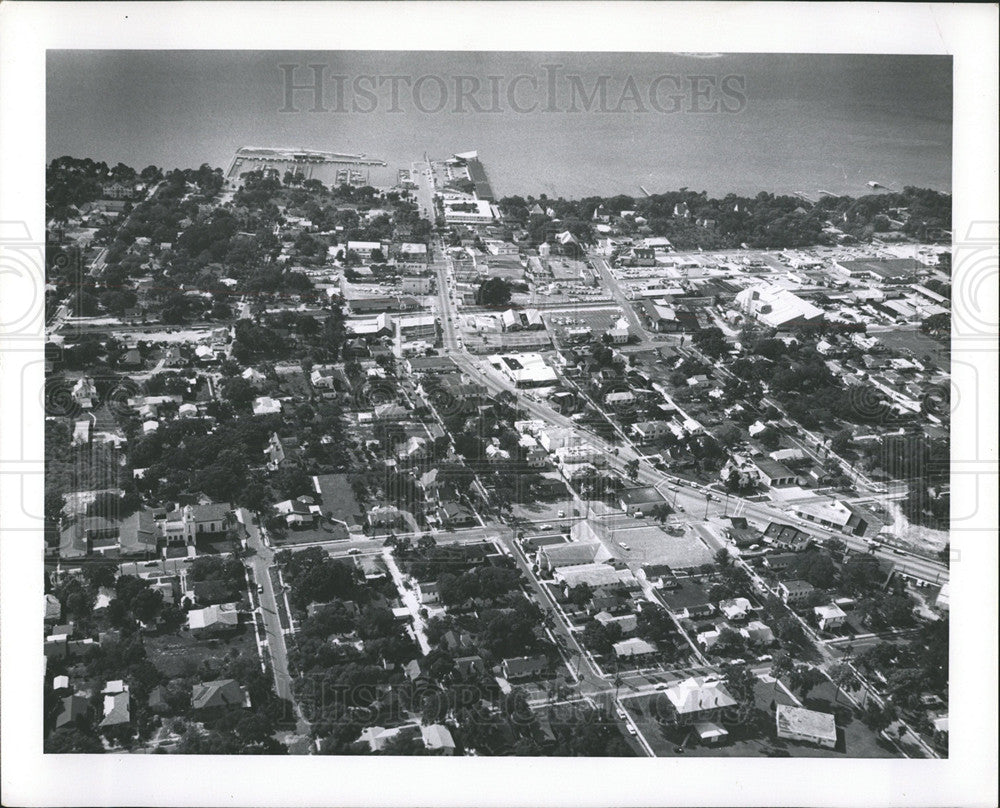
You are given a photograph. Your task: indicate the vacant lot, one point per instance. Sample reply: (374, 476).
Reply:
(182, 654)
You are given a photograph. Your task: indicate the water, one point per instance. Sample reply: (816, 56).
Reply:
(809, 121)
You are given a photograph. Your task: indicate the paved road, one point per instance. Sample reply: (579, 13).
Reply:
(260, 563)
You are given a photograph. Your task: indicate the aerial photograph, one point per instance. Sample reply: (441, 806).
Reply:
(447, 403)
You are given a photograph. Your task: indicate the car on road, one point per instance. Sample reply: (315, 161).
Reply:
(354, 551)
(632, 730)
(545, 527)
(621, 714)
(561, 514)
(765, 658)
(260, 588)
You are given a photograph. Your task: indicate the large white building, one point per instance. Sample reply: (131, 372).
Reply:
(777, 307)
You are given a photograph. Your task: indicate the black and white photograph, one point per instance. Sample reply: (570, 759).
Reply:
(604, 404)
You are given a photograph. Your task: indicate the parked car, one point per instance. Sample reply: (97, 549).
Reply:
(545, 527)
(354, 551)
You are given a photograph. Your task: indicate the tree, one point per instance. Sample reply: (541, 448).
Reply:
(632, 469)
(843, 677)
(493, 292)
(741, 683)
(805, 678)
(722, 558)
(878, 717)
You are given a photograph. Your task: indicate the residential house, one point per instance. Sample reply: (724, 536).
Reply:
(73, 708)
(634, 648)
(526, 667)
(215, 619)
(698, 699)
(437, 738)
(184, 525)
(217, 694)
(735, 609)
(830, 616)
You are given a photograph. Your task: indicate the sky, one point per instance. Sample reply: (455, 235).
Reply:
(739, 123)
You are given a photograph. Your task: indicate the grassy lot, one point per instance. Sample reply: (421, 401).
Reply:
(758, 738)
(183, 654)
(919, 344)
(325, 532)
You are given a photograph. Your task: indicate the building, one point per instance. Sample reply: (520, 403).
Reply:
(217, 694)
(777, 308)
(843, 516)
(806, 726)
(735, 609)
(419, 326)
(787, 537)
(116, 709)
(698, 699)
(183, 526)
(417, 285)
(772, 473)
(365, 249)
(652, 430)
(217, 618)
(634, 648)
(795, 591)
(527, 667)
(265, 405)
(437, 738)
(525, 369)
(830, 616)
(637, 501)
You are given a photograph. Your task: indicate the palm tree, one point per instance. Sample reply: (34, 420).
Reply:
(843, 677)
(781, 664)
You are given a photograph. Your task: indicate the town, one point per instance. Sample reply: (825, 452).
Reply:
(350, 459)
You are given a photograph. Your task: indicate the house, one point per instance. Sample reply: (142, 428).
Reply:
(414, 669)
(637, 501)
(378, 737)
(795, 591)
(777, 562)
(280, 452)
(116, 709)
(219, 694)
(469, 666)
(299, 512)
(84, 393)
(265, 405)
(437, 738)
(216, 619)
(830, 616)
(787, 537)
(455, 514)
(758, 632)
(53, 609)
(526, 667)
(688, 600)
(807, 726)
(157, 701)
(73, 708)
(735, 609)
(698, 699)
(633, 648)
(427, 592)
